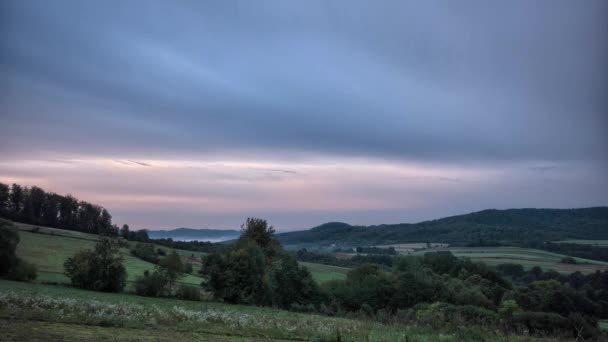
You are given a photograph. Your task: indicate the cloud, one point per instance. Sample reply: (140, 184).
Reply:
(434, 81)
(306, 111)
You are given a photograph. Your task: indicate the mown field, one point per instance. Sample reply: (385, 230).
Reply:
(35, 312)
(322, 273)
(527, 257)
(48, 248)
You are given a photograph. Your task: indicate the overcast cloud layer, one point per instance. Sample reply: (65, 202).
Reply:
(189, 113)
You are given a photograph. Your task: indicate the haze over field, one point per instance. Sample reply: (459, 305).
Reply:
(200, 115)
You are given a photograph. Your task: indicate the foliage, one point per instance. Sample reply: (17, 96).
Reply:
(171, 267)
(9, 238)
(151, 285)
(145, 251)
(100, 269)
(35, 206)
(11, 266)
(188, 293)
(255, 270)
(23, 271)
(513, 225)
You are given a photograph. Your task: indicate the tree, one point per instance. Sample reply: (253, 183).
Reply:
(124, 231)
(99, 270)
(145, 251)
(292, 284)
(68, 213)
(4, 199)
(105, 223)
(36, 202)
(16, 200)
(50, 210)
(11, 266)
(258, 231)
(140, 235)
(150, 285)
(9, 238)
(171, 267)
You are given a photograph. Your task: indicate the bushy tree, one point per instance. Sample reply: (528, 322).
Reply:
(100, 269)
(9, 239)
(4, 199)
(292, 284)
(11, 266)
(255, 270)
(124, 231)
(145, 251)
(171, 267)
(151, 285)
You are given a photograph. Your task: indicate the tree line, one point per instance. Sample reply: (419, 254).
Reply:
(35, 206)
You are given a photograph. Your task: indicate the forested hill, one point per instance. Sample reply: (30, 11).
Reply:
(506, 226)
(187, 234)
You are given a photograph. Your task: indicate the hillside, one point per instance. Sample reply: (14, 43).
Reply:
(189, 234)
(48, 248)
(512, 225)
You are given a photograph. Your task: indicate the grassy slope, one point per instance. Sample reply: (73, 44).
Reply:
(35, 312)
(49, 252)
(322, 273)
(527, 257)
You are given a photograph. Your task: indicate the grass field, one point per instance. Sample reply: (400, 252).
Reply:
(322, 273)
(527, 257)
(48, 248)
(35, 312)
(599, 243)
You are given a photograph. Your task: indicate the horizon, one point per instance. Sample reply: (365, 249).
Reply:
(306, 113)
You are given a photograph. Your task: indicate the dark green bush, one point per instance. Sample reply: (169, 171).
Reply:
(145, 251)
(151, 285)
(188, 293)
(540, 323)
(23, 271)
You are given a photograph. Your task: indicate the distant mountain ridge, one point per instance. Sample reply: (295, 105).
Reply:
(187, 234)
(510, 225)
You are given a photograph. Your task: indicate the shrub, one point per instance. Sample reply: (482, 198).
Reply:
(568, 260)
(188, 268)
(188, 293)
(541, 323)
(150, 285)
(145, 251)
(161, 252)
(23, 271)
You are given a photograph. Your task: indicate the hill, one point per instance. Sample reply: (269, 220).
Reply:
(48, 248)
(506, 226)
(189, 234)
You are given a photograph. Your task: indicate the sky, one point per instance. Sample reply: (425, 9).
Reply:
(201, 114)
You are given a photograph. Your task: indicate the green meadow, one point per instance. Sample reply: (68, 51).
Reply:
(36, 312)
(322, 273)
(48, 248)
